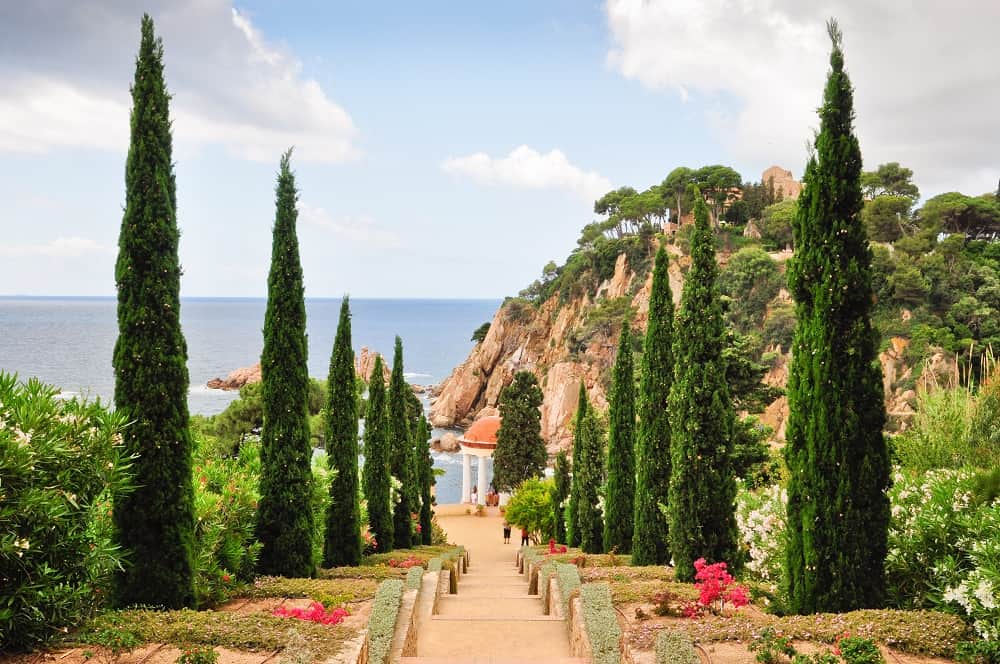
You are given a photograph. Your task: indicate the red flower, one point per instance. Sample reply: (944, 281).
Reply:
(226, 578)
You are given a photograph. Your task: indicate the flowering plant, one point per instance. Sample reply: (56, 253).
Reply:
(553, 548)
(314, 613)
(716, 587)
(407, 563)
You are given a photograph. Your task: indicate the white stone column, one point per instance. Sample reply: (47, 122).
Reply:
(481, 483)
(466, 476)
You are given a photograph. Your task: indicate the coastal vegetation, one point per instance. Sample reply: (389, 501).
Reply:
(520, 451)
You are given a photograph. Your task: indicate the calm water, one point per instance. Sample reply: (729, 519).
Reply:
(69, 341)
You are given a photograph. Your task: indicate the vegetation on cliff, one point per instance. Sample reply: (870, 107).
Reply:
(838, 511)
(155, 523)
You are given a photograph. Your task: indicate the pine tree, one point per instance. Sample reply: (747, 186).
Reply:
(572, 532)
(342, 545)
(426, 465)
(838, 512)
(650, 544)
(284, 516)
(401, 462)
(620, 491)
(560, 490)
(520, 452)
(589, 471)
(155, 523)
(702, 490)
(375, 473)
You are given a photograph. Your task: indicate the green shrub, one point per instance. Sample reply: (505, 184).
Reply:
(675, 648)
(568, 578)
(330, 593)
(771, 647)
(382, 623)
(198, 655)
(978, 652)
(858, 650)
(601, 623)
(60, 462)
(434, 565)
(414, 577)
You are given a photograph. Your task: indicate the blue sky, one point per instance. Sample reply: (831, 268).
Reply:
(449, 149)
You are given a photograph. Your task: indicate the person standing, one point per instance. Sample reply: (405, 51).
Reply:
(525, 540)
(506, 533)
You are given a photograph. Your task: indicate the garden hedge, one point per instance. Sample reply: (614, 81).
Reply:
(601, 623)
(382, 623)
(413, 577)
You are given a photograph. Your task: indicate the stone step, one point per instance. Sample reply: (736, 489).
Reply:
(487, 659)
(532, 639)
(461, 606)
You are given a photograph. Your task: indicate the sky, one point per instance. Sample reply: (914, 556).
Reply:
(451, 149)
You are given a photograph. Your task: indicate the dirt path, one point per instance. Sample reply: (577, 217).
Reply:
(492, 619)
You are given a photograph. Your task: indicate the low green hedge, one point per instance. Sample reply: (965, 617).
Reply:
(382, 623)
(544, 574)
(434, 565)
(601, 623)
(674, 647)
(568, 578)
(414, 577)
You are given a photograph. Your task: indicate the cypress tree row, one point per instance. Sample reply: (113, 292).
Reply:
(560, 490)
(375, 474)
(572, 532)
(520, 452)
(342, 545)
(589, 473)
(426, 465)
(401, 463)
(284, 516)
(155, 522)
(620, 490)
(650, 544)
(838, 511)
(702, 490)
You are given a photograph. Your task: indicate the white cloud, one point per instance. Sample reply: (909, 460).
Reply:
(927, 88)
(61, 247)
(526, 168)
(68, 72)
(356, 229)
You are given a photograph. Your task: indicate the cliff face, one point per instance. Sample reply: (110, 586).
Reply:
(523, 337)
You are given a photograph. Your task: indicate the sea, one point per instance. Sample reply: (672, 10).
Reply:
(68, 342)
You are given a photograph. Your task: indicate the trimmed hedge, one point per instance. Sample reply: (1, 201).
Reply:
(675, 648)
(414, 578)
(568, 578)
(544, 574)
(382, 623)
(434, 565)
(601, 622)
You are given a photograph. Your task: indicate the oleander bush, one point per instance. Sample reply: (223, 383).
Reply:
(60, 463)
(382, 623)
(674, 647)
(601, 623)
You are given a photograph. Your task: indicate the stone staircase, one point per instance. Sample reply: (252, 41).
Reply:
(492, 620)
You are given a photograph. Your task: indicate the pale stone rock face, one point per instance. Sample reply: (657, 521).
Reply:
(364, 364)
(236, 378)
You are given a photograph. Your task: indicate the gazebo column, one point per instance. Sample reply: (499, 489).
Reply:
(481, 483)
(466, 476)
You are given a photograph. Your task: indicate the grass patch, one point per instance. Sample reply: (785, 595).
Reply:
(374, 572)
(601, 623)
(382, 623)
(631, 592)
(248, 632)
(625, 574)
(421, 553)
(328, 592)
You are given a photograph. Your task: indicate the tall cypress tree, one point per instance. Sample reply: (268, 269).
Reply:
(572, 532)
(560, 490)
(342, 545)
(375, 473)
(620, 491)
(426, 466)
(401, 463)
(838, 512)
(702, 490)
(520, 452)
(155, 522)
(284, 516)
(589, 471)
(650, 545)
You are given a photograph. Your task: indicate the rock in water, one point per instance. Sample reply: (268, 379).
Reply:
(236, 379)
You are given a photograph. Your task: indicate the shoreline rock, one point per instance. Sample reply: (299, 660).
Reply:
(236, 379)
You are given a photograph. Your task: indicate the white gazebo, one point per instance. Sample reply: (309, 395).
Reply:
(479, 440)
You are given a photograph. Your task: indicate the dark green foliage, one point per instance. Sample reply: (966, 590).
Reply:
(560, 491)
(480, 333)
(745, 374)
(702, 486)
(838, 512)
(401, 456)
(572, 532)
(776, 224)
(589, 475)
(750, 281)
(375, 474)
(520, 452)
(426, 466)
(889, 180)
(156, 521)
(650, 545)
(284, 518)
(886, 217)
(342, 546)
(620, 490)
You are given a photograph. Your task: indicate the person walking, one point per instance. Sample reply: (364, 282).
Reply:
(525, 540)
(506, 533)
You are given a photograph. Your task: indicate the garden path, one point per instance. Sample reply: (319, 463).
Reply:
(492, 619)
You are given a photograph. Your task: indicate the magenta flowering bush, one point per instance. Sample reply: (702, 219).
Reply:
(315, 612)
